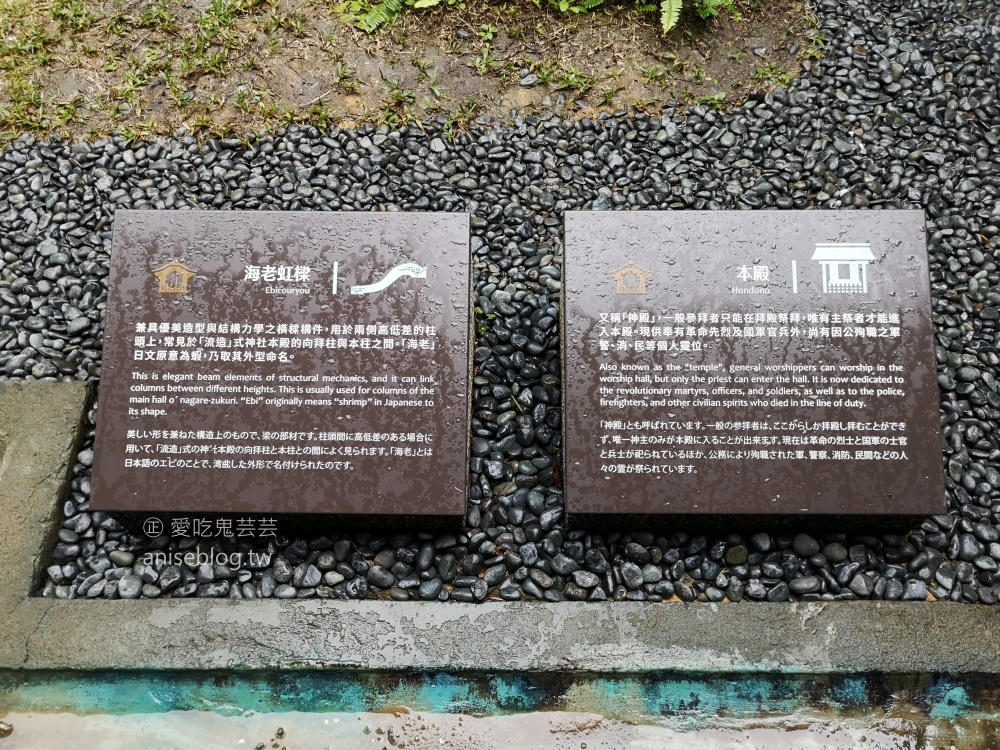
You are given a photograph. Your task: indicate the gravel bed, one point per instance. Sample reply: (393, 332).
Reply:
(901, 113)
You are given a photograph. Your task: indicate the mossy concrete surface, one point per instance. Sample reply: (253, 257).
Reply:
(40, 424)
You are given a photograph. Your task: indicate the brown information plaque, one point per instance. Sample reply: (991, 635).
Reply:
(763, 362)
(285, 363)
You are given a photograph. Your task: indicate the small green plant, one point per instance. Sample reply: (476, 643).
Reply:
(68, 112)
(397, 104)
(565, 6)
(487, 32)
(23, 91)
(72, 15)
(545, 70)
(321, 115)
(654, 74)
(484, 61)
(421, 64)
(769, 72)
(715, 101)
(135, 78)
(400, 97)
(288, 21)
(608, 96)
(344, 76)
(129, 134)
(764, 72)
(177, 94)
(229, 39)
(244, 99)
(158, 17)
(214, 62)
(434, 86)
(482, 321)
(296, 24)
(710, 8)
(573, 78)
(816, 48)
(117, 23)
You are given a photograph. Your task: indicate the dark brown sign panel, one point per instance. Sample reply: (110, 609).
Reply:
(762, 362)
(285, 362)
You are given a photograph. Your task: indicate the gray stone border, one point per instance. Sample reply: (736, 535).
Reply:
(40, 428)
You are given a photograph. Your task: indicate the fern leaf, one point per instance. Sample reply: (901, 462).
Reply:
(379, 15)
(372, 19)
(670, 11)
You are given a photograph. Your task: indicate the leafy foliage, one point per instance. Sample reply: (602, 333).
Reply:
(370, 17)
(710, 8)
(576, 6)
(72, 15)
(670, 12)
(379, 15)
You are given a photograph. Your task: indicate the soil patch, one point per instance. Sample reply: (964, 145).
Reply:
(229, 67)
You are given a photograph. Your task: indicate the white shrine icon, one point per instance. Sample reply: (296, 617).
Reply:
(631, 279)
(844, 266)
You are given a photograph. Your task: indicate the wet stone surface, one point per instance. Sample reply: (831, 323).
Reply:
(900, 113)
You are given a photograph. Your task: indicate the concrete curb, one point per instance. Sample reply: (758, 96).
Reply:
(40, 428)
(624, 637)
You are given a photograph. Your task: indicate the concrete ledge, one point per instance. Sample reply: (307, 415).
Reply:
(623, 637)
(39, 427)
(40, 431)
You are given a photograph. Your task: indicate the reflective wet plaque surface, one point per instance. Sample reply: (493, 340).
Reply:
(285, 362)
(758, 362)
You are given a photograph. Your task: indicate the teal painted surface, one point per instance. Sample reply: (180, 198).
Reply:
(343, 710)
(684, 700)
(950, 702)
